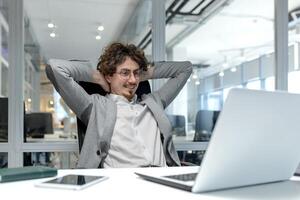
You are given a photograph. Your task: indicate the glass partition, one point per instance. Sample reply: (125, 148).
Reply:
(225, 41)
(59, 160)
(138, 29)
(4, 66)
(294, 39)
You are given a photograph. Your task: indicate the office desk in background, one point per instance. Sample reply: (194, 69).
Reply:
(186, 143)
(123, 184)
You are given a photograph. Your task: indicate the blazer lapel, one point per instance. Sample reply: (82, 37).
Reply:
(162, 120)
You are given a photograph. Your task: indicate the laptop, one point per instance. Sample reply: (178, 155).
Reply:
(255, 141)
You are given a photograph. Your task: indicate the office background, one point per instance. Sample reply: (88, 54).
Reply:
(231, 43)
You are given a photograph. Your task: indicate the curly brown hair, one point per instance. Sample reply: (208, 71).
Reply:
(116, 53)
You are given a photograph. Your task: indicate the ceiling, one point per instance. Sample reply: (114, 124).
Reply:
(240, 28)
(239, 25)
(77, 22)
(243, 29)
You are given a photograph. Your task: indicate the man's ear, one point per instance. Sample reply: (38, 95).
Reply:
(108, 78)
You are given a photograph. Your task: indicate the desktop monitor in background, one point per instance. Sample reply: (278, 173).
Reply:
(38, 124)
(205, 123)
(3, 119)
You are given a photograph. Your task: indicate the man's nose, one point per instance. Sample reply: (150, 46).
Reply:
(132, 78)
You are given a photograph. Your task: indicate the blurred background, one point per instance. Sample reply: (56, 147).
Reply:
(231, 43)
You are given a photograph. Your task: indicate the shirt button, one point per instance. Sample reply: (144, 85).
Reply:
(98, 153)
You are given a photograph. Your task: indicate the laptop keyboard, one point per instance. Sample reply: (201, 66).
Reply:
(184, 177)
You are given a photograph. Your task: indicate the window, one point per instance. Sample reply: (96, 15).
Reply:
(294, 82)
(214, 100)
(254, 85)
(270, 83)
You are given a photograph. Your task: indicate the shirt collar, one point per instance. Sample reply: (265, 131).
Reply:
(119, 98)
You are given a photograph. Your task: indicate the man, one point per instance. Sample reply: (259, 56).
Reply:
(122, 131)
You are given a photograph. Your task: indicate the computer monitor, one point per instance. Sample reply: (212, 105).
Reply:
(205, 123)
(3, 119)
(38, 124)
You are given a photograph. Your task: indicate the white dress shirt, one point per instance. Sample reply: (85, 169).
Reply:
(136, 137)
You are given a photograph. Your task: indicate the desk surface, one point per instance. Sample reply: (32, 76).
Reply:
(123, 184)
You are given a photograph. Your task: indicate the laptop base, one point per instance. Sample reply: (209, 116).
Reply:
(165, 182)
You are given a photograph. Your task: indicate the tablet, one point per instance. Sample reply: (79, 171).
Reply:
(72, 181)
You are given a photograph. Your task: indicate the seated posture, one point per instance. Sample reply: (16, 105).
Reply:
(121, 130)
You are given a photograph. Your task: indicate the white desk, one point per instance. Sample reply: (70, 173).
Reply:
(58, 136)
(123, 184)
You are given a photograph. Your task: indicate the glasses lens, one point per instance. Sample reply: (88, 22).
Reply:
(137, 73)
(126, 73)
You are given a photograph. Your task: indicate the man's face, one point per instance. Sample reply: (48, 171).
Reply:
(126, 79)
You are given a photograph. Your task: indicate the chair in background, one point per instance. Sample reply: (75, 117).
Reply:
(204, 124)
(143, 88)
(92, 88)
(178, 129)
(4, 119)
(178, 124)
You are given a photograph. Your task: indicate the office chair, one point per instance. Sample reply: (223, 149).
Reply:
(92, 88)
(204, 124)
(178, 129)
(178, 124)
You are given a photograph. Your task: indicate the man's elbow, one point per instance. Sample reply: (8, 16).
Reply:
(189, 66)
(49, 71)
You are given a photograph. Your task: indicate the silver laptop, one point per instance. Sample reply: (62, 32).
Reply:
(255, 140)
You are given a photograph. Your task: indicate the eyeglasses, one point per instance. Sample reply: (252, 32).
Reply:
(126, 73)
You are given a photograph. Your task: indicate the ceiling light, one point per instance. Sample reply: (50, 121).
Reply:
(52, 35)
(29, 100)
(194, 76)
(233, 69)
(197, 82)
(100, 28)
(221, 74)
(98, 37)
(50, 25)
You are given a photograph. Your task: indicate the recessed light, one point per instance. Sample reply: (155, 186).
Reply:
(50, 25)
(233, 69)
(98, 37)
(52, 34)
(100, 28)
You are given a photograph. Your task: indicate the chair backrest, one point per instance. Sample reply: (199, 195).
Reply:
(178, 124)
(92, 88)
(205, 123)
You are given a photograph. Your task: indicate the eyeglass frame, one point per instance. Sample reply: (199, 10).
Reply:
(127, 73)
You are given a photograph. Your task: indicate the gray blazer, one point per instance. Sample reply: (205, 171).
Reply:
(99, 113)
